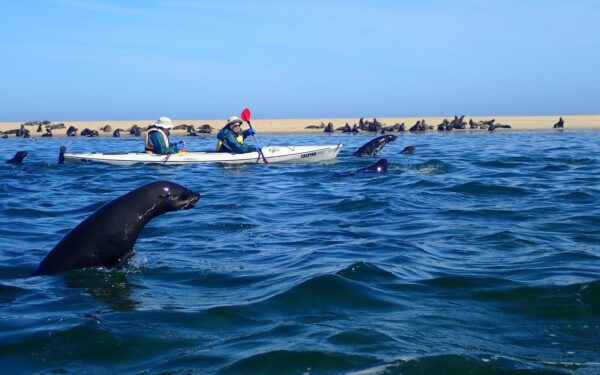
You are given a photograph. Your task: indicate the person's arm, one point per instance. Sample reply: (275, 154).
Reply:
(231, 143)
(159, 145)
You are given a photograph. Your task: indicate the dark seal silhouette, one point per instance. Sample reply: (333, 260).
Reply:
(191, 132)
(372, 147)
(329, 128)
(381, 166)
(408, 150)
(107, 236)
(205, 129)
(72, 131)
(560, 124)
(61, 155)
(135, 130)
(18, 158)
(416, 127)
(89, 133)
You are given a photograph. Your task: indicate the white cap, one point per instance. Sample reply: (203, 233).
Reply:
(233, 120)
(164, 122)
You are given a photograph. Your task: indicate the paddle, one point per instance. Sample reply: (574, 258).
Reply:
(246, 118)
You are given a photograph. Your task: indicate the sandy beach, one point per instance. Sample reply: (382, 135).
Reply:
(299, 125)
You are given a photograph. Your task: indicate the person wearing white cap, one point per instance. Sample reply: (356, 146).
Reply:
(157, 138)
(231, 137)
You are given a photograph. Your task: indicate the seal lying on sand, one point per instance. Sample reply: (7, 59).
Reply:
(380, 166)
(560, 124)
(108, 235)
(18, 158)
(372, 147)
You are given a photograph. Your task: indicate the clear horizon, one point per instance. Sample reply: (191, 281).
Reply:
(86, 60)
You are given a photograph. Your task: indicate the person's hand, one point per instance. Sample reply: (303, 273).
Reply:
(251, 131)
(179, 146)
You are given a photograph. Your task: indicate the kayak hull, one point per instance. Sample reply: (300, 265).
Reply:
(273, 154)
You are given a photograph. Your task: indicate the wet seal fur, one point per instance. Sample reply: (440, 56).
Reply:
(381, 166)
(61, 154)
(107, 236)
(372, 147)
(18, 158)
(408, 150)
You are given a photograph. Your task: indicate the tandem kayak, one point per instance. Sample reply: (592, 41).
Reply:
(273, 154)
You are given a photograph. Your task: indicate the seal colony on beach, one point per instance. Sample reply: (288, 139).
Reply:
(205, 128)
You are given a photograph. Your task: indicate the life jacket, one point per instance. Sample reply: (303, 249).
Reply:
(148, 146)
(239, 138)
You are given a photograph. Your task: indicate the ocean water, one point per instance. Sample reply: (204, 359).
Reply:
(478, 254)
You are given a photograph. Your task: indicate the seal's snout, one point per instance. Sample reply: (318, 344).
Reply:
(190, 198)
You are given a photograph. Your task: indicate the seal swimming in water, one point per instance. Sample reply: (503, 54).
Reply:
(18, 158)
(380, 166)
(372, 147)
(61, 155)
(107, 236)
(408, 150)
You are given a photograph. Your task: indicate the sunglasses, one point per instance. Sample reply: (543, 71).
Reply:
(236, 125)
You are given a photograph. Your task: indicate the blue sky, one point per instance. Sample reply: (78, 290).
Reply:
(108, 60)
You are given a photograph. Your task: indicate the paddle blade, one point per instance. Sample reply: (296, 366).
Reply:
(245, 115)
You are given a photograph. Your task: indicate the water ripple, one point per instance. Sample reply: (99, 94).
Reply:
(476, 254)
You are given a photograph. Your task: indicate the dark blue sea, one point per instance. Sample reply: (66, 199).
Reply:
(477, 254)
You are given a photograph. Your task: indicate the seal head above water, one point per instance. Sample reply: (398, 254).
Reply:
(108, 235)
(381, 166)
(18, 158)
(408, 150)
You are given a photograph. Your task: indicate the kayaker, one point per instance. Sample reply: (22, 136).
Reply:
(157, 138)
(231, 137)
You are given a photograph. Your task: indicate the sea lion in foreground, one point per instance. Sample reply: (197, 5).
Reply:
(18, 158)
(380, 166)
(372, 147)
(107, 236)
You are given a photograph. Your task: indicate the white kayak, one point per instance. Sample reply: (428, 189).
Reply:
(273, 154)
